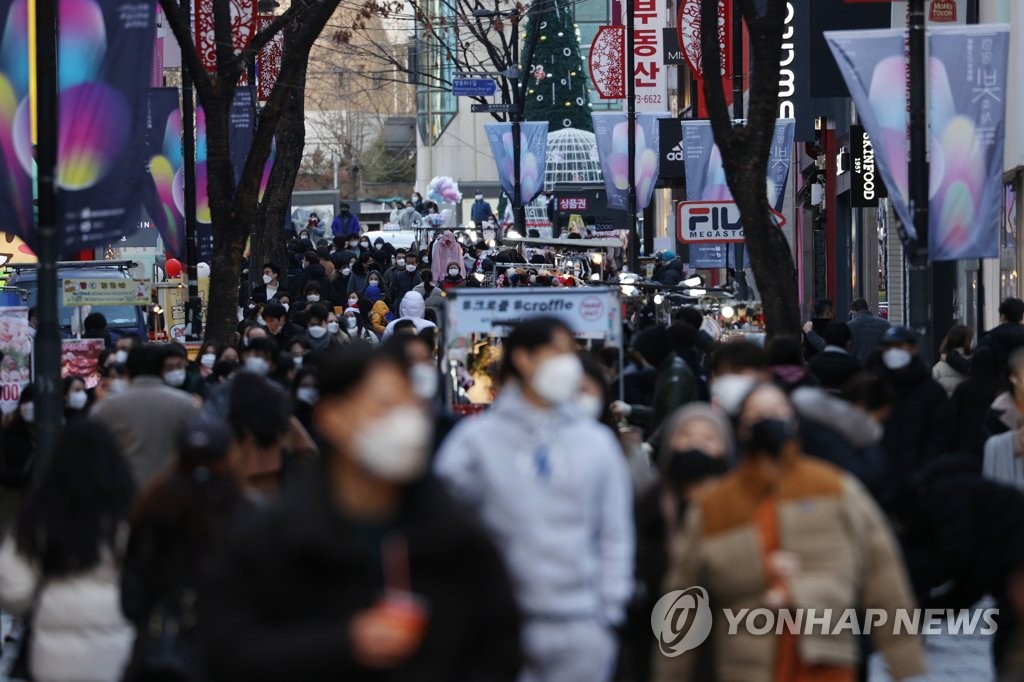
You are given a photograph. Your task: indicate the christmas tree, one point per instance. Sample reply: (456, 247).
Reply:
(557, 89)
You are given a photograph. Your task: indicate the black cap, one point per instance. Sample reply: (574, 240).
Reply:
(204, 439)
(899, 335)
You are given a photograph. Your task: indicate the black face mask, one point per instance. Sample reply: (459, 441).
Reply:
(768, 436)
(692, 466)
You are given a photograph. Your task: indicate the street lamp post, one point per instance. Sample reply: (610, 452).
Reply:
(515, 115)
(920, 274)
(194, 310)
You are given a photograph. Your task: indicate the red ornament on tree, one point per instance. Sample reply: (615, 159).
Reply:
(538, 72)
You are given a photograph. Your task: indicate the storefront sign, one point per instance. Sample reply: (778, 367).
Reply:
(866, 184)
(80, 357)
(16, 339)
(713, 222)
(591, 312)
(649, 78)
(79, 292)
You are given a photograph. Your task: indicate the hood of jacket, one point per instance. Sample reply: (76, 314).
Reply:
(412, 305)
(853, 424)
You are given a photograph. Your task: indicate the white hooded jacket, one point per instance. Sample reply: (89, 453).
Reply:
(412, 308)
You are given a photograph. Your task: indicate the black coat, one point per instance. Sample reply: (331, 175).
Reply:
(289, 582)
(833, 369)
(1003, 340)
(959, 528)
(920, 426)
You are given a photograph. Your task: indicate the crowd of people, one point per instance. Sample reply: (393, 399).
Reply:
(302, 505)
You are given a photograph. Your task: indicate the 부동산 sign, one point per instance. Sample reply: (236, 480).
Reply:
(591, 312)
(79, 292)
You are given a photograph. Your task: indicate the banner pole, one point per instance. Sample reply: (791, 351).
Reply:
(193, 310)
(48, 386)
(920, 272)
(634, 238)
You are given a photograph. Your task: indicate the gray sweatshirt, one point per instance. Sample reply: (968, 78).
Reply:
(554, 489)
(1001, 463)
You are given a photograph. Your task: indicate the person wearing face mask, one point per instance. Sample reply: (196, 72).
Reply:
(555, 487)
(820, 541)
(404, 281)
(270, 284)
(319, 338)
(375, 309)
(113, 380)
(735, 367)
(258, 358)
(76, 400)
(176, 373)
(375, 569)
(355, 327)
(148, 414)
(207, 359)
(388, 278)
(346, 222)
(920, 425)
(416, 201)
(454, 278)
(481, 211)
(305, 395)
(433, 296)
(359, 279)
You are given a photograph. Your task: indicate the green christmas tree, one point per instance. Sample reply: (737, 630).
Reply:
(557, 89)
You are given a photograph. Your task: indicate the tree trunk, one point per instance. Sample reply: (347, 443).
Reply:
(745, 153)
(273, 211)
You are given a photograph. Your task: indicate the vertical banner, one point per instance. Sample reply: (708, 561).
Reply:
(241, 126)
(649, 78)
(966, 115)
(268, 61)
(705, 174)
(16, 339)
(612, 133)
(866, 186)
(243, 28)
(533, 138)
(105, 54)
(163, 147)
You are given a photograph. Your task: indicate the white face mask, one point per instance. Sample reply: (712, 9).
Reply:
(285, 306)
(590, 405)
(77, 400)
(479, 197)
(346, 271)
(374, 283)
(313, 298)
(424, 381)
(333, 327)
(558, 379)
(118, 386)
(257, 365)
(297, 360)
(729, 391)
(176, 377)
(400, 262)
(208, 360)
(353, 303)
(267, 279)
(365, 245)
(121, 357)
(410, 267)
(897, 358)
(307, 394)
(350, 322)
(28, 411)
(316, 331)
(453, 272)
(394, 447)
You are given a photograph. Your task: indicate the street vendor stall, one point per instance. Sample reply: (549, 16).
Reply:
(477, 319)
(583, 258)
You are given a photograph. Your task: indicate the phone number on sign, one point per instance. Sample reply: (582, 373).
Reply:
(648, 99)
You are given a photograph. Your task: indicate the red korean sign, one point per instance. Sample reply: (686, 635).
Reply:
(608, 62)
(243, 28)
(268, 61)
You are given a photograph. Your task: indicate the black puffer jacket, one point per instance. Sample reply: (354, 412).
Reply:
(920, 426)
(288, 583)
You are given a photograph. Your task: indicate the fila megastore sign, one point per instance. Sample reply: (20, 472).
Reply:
(702, 222)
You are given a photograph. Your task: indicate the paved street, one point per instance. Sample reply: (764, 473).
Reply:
(957, 658)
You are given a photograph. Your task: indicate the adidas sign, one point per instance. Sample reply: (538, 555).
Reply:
(677, 153)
